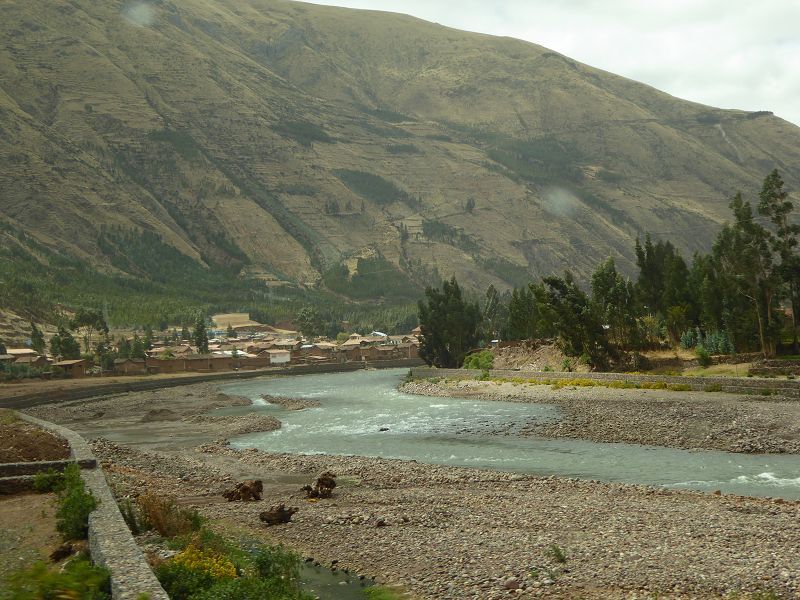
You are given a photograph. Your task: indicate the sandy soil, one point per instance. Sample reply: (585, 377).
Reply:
(22, 442)
(163, 418)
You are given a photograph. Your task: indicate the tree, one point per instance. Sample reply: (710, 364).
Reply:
(773, 203)
(309, 322)
(104, 354)
(200, 336)
(469, 205)
(64, 346)
(37, 339)
(185, 335)
(138, 349)
(744, 257)
(450, 325)
(231, 333)
(89, 321)
(613, 301)
(2, 347)
(580, 331)
(124, 348)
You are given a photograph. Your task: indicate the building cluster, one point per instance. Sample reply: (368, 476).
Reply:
(252, 348)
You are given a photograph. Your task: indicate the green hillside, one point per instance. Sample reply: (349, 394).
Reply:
(354, 153)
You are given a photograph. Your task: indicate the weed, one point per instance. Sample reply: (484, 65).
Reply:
(77, 579)
(557, 554)
(74, 506)
(163, 515)
(48, 481)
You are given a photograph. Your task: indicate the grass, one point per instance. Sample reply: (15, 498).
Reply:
(8, 416)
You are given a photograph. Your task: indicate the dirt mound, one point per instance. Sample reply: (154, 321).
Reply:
(23, 442)
(536, 355)
(160, 414)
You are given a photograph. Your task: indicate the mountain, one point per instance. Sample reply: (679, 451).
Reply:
(360, 152)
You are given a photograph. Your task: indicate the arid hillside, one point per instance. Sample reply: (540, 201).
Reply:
(307, 144)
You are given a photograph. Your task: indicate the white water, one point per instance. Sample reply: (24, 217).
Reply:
(355, 406)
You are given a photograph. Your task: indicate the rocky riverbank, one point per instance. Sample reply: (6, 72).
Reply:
(451, 533)
(291, 403)
(159, 419)
(689, 420)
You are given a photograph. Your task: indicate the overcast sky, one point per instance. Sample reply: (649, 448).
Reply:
(725, 53)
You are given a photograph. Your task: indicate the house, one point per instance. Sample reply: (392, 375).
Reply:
(130, 366)
(417, 331)
(72, 368)
(38, 362)
(278, 356)
(20, 352)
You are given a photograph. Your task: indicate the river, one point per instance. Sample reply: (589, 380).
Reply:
(363, 413)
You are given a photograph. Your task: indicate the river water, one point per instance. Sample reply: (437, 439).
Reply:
(356, 406)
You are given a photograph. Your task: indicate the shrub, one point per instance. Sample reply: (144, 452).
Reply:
(48, 481)
(78, 579)
(483, 360)
(703, 356)
(74, 506)
(252, 588)
(132, 515)
(182, 582)
(277, 561)
(163, 515)
(214, 563)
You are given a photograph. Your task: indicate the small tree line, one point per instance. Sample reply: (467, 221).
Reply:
(728, 300)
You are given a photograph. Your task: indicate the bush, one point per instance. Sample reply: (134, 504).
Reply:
(164, 516)
(74, 506)
(483, 360)
(78, 579)
(703, 356)
(251, 588)
(48, 481)
(182, 582)
(277, 561)
(132, 515)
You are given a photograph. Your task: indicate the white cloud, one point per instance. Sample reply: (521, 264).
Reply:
(725, 53)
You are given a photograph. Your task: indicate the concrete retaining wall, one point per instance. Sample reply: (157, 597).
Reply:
(789, 389)
(110, 541)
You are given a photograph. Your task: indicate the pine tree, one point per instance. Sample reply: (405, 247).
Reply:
(200, 336)
(138, 348)
(231, 333)
(450, 325)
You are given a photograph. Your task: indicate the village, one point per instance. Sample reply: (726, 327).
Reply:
(235, 343)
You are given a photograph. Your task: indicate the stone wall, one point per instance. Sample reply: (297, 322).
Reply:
(110, 541)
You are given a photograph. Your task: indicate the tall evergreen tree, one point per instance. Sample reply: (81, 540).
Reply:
(450, 325)
(579, 329)
(200, 336)
(138, 349)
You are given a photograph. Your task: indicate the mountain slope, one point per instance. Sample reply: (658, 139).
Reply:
(287, 141)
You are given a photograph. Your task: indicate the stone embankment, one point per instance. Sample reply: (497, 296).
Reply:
(110, 541)
(449, 533)
(659, 417)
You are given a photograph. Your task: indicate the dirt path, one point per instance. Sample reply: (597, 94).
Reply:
(27, 531)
